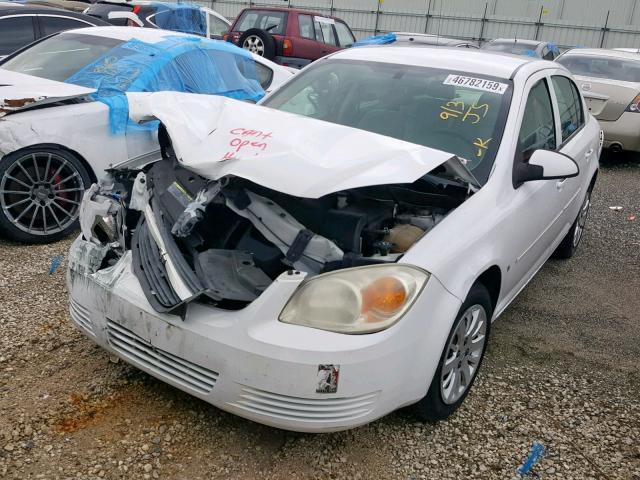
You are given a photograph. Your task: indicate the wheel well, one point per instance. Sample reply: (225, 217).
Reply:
(84, 162)
(492, 279)
(593, 180)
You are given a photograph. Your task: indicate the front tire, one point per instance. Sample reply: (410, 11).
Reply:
(461, 358)
(40, 193)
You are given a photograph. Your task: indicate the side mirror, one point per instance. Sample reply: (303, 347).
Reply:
(544, 165)
(128, 15)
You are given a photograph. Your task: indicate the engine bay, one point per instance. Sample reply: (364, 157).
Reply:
(229, 239)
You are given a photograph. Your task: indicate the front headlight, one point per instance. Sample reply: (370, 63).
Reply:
(356, 300)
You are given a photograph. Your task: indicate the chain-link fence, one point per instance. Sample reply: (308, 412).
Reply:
(603, 24)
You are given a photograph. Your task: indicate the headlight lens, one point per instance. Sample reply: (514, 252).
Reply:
(356, 300)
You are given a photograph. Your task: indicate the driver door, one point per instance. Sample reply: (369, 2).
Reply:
(536, 210)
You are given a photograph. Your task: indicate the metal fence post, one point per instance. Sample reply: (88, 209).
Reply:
(539, 23)
(482, 22)
(375, 29)
(331, 9)
(426, 23)
(605, 29)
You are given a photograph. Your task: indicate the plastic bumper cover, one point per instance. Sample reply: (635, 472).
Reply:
(248, 363)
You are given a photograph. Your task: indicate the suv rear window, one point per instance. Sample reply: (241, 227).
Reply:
(273, 22)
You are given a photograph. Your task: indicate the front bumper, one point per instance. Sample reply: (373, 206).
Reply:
(625, 131)
(248, 363)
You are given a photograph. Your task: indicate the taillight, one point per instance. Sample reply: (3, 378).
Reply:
(137, 9)
(287, 47)
(225, 37)
(634, 106)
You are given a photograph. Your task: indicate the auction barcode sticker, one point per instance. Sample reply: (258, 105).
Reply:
(476, 83)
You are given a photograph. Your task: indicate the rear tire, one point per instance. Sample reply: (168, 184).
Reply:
(259, 42)
(570, 242)
(461, 358)
(40, 193)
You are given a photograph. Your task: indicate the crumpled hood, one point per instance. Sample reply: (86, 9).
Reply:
(19, 91)
(292, 154)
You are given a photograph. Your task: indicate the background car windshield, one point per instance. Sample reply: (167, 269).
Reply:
(602, 67)
(273, 22)
(405, 102)
(60, 56)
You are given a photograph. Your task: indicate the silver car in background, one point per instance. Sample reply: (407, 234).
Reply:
(610, 83)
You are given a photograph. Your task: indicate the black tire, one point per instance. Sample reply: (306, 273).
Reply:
(46, 182)
(571, 240)
(433, 406)
(268, 44)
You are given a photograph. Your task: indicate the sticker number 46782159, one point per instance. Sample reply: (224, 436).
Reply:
(476, 83)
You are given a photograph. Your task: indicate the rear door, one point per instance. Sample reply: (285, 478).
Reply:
(16, 31)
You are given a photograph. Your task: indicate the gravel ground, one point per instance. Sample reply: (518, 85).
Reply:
(561, 369)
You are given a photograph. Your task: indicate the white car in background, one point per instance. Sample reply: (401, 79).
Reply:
(340, 250)
(55, 141)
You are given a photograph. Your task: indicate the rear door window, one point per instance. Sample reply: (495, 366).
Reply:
(49, 25)
(325, 26)
(217, 26)
(16, 33)
(345, 37)
(569, 105)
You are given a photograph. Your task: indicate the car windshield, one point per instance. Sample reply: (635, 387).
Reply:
(516, 48)
(60, 56)
(602, 67)
(442, 109)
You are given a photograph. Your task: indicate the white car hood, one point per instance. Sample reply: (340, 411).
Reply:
(292, 154)
(19, 91)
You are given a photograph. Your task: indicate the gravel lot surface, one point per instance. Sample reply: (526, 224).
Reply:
(562, 368)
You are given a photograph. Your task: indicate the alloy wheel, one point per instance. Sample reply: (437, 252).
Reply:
(581, 221)
(254, 44)
(463, 354)
(40, 193)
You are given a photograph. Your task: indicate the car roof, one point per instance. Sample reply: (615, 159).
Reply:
(291, 10)
(429, 39)
(473, 61)
(149, 35)
(517, 40)
(603, 52)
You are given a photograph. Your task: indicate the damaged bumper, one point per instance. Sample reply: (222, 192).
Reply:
(249, 363)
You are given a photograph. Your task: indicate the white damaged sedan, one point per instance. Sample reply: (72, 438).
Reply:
(338, 252)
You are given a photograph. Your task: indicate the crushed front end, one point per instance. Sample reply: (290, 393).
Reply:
(230, 291)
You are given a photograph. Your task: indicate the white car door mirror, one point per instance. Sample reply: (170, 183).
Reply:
(128, 15)
(545, 165)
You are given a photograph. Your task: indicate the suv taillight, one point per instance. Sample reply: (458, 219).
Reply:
(634, 106)
(287, 47)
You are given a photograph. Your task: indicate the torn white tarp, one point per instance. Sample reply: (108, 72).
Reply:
(301, 156)
(19, 91)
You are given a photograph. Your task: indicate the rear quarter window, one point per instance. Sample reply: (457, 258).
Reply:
(273, 22)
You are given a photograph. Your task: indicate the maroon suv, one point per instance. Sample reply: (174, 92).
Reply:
(289, 36)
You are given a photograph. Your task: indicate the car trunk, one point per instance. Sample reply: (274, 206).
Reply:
(607, 99)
